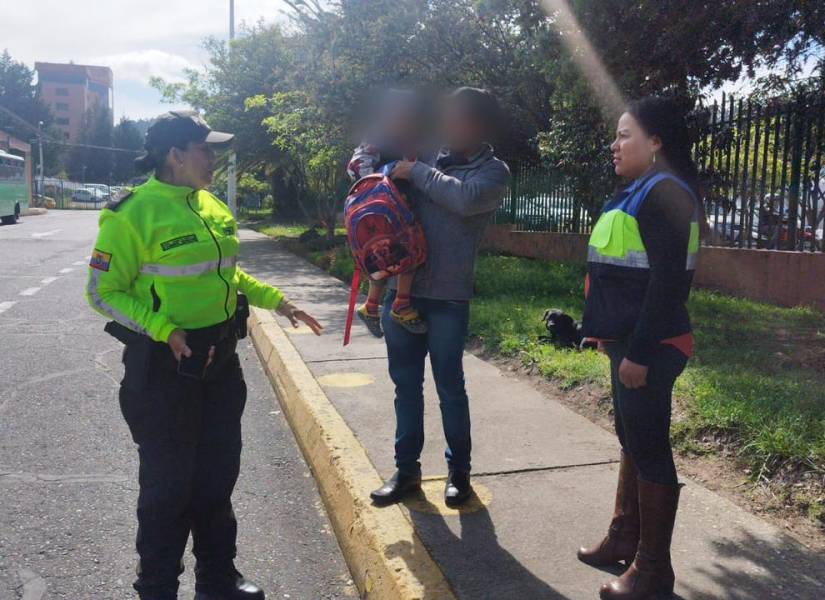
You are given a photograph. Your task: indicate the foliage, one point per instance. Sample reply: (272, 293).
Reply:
(19, 95)
(126, 135)
(93, 164)
(334, 55)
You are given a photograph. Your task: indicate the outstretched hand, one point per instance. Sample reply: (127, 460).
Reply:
(299, 316)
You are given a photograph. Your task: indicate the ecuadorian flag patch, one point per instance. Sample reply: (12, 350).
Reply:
(100, 260)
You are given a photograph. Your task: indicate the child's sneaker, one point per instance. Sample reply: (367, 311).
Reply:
(371, 320)
(410, 320)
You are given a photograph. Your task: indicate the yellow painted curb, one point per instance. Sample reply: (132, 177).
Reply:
(387, 559)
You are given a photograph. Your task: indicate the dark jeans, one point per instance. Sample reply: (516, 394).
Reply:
(643, 415)
(188, 434)
(447, 323)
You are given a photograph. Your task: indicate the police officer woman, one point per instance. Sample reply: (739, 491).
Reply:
(642, 255)
(164, 270)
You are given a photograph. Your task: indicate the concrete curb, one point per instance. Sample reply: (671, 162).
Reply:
(386, 557)
(33, 211)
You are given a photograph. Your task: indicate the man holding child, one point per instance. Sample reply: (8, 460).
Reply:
(454, 196)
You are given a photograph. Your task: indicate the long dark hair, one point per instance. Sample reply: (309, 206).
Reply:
(665, 118)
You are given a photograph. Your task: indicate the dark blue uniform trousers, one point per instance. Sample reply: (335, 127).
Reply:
(188, 434)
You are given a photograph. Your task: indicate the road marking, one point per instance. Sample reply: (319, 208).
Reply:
(79, 263)
(30, 291)
(34, 586)
(48, 280)
(66, 270)
(39, 234)
(4, 306)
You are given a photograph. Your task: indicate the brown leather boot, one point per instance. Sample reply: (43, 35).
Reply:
(623, 536)
(651, 573)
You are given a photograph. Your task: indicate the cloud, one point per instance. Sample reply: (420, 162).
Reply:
(140, 65)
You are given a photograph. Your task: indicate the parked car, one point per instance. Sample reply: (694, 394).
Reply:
(104, 189)
(86, 197)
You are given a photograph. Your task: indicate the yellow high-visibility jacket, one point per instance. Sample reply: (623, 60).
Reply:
(166, 258)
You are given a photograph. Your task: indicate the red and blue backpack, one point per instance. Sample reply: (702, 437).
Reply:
(383, 234)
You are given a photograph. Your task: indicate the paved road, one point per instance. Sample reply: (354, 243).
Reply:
(68, 466)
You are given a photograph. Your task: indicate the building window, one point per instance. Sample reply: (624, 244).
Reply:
(66, 134)
(61, 92)
(62, 106)
(62, 120)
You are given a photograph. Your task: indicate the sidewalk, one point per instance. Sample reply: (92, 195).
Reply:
(545, 476)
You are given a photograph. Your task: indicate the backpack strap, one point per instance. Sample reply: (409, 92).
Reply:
(387, 168)
(353, 296)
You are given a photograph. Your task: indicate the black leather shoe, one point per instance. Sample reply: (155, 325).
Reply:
(235, 588)
(398, 486)
(458, 488)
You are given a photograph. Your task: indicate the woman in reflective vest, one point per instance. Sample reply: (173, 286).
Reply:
(164, 271)
(642, 255)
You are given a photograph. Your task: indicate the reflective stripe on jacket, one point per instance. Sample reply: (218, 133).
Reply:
(166, 258)
(616, 239)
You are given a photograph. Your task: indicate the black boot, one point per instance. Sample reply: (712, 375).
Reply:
(458, 489)
(397, 487)
(232, 586)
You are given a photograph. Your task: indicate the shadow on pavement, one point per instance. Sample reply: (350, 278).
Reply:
(475, 564)
(754, 568)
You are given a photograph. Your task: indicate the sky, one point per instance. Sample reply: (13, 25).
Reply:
(136, 38)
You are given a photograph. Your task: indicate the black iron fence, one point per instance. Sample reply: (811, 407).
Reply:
(61, 193)
(762, 167)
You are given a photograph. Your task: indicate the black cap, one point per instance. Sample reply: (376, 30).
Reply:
(179, 127)
(176, 129)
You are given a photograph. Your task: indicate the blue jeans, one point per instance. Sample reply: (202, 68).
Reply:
(447, 322)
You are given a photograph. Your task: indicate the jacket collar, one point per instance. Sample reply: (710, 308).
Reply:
(447, 159)
(159, 187)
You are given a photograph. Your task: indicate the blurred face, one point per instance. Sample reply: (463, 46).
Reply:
(194, 166)
(461, 133)
(633, 150)
(401, 126)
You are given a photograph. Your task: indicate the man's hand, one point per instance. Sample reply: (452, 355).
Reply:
(180, 349)
(632, 375)
(402, 169)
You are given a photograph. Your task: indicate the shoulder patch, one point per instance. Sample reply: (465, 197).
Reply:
(100, 260)
(116, 203)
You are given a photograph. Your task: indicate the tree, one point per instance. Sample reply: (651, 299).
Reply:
(127, 136)
(315, 153)
(93, 164)
(19, 95)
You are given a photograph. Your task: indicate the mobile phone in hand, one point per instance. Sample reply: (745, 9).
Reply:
(193, 366)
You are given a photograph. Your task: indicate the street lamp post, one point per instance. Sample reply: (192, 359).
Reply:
(40, 151)
(231, 171)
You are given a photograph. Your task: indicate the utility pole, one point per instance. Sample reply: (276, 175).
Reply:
(231, 171)
(40, 148)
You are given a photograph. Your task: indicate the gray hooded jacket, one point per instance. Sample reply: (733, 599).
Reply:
(454, 204)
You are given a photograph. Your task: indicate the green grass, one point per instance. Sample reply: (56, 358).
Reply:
(757, 380)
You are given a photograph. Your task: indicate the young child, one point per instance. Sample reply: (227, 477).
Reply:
(398, 131)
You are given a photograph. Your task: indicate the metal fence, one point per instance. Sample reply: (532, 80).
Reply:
(762, 176)
(543, 200)
(762, 168)
(61, 193)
